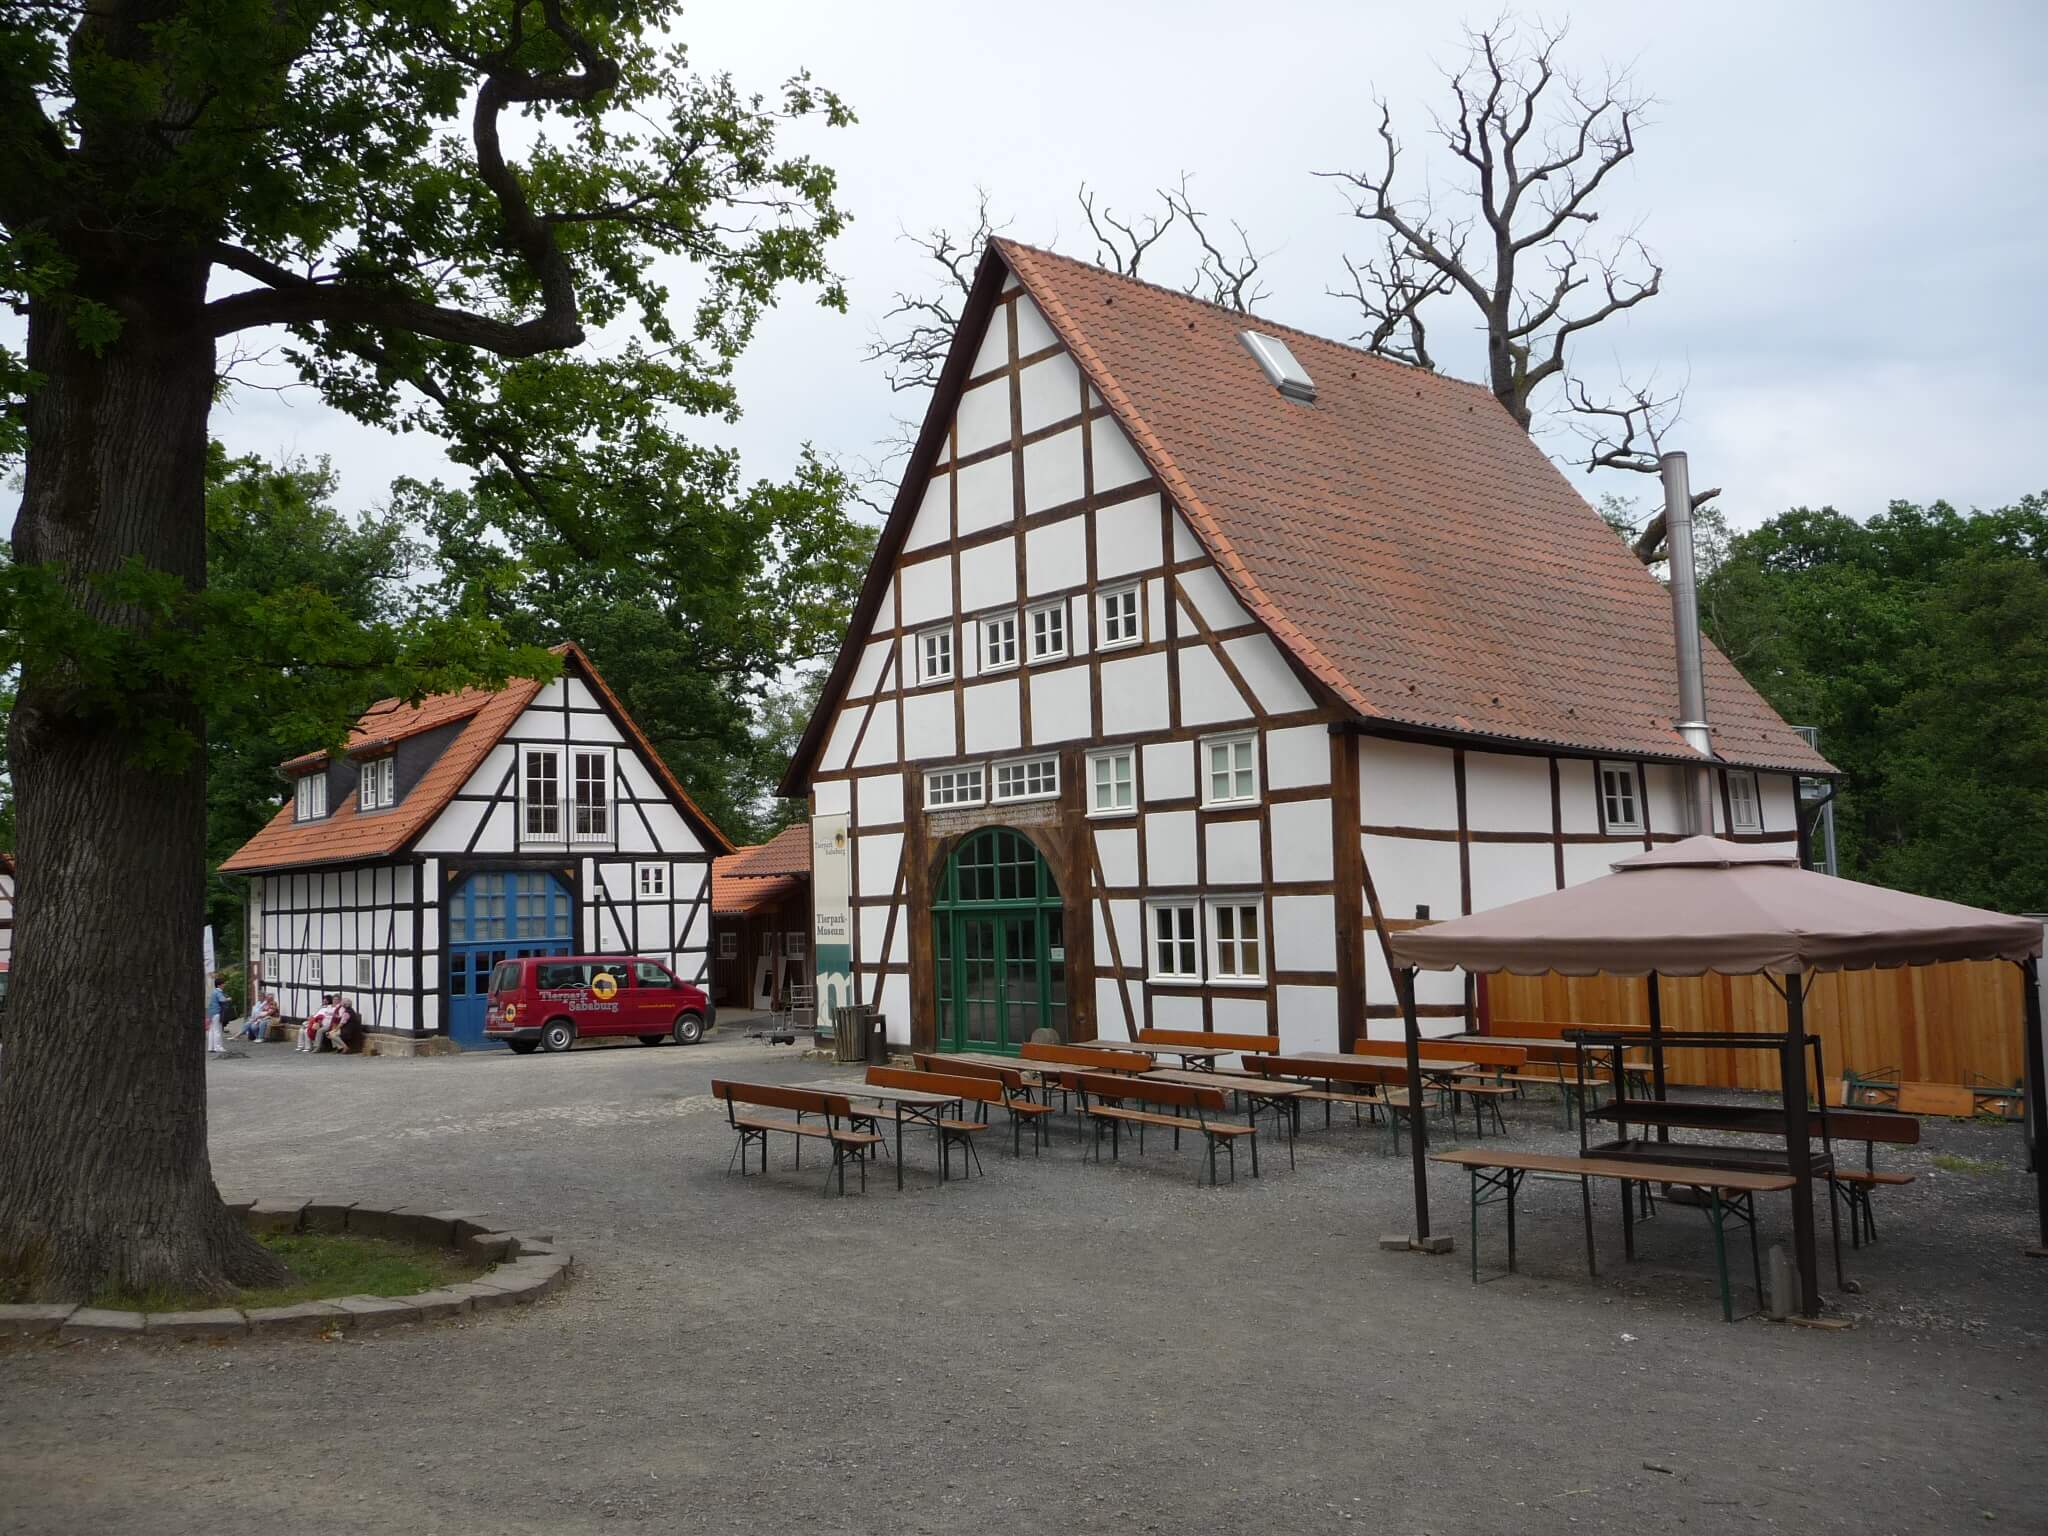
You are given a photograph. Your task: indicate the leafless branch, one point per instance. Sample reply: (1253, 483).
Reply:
(1120, 245)
(1229, 280)
(1390, 293)
(1628, 433)
(917, 329)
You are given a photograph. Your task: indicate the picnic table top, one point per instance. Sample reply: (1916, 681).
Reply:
(1681, 1114)
(1153, 1048)
(1618, 1168)
(1021, 1064)
(879, 1094)
(1560, 1048)
(1393, 1055)
(1231, 1082)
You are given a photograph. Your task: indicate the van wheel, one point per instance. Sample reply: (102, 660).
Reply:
(523, 1047)
(557, 1035)
(689, 1028)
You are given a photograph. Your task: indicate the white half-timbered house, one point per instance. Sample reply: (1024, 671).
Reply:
(467, 828)
(1198, 654)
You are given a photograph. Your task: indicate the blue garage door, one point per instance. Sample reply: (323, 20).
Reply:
(492, 917)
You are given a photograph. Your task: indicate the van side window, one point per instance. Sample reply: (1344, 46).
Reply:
(645, 975)
(557, 978)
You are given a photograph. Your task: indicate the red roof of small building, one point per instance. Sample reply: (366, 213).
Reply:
(763, 873)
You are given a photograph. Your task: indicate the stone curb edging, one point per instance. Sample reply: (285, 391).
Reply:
(525, 1266)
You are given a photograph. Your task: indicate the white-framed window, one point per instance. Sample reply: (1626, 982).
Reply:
(1237, 946)
(998, 642)
(1176, 952)
(935, 655)
(1112, 783)
(592, 767)
(366, 970)
(376, 789)
(316, 972)
(1049, 631)
(309, 796)
(651, 880)
(1745, 814)
(1230, 770)
(1027, 778)
(1121, 617)
(728, 945)
(540, 793)
(272, 971)
(793, 944)
(1618, 799)
(964, 785)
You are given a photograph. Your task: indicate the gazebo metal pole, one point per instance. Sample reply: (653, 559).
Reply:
(1798, 1146)
(1417, 1134)
(2036, 1100)
(1657, 1047)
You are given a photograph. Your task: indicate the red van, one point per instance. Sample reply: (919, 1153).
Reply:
(551, 1001)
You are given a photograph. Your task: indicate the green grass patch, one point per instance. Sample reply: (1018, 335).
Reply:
(1955, 1162)
(323, 1265)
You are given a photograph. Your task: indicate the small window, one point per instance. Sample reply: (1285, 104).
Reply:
(1744, 813)
(954, 786)
(1027, 778)
(1618, 797)
(505, 977)
(1231, 771)
(366, 971)
(1175, 954)
(652, 880)
(562, 978)
(1112, 787)
(998, 642)
(1121, 624)
(728, 945)
(648, 975)
(272, 971)
(316, 972)
(935, 655)
(374, 788)
(309, 797)
(795, 946)
(1235, 950)
(543, 793)
(1049, 631)
(593, 769)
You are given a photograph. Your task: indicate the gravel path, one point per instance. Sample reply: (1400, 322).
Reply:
(1057, 1347)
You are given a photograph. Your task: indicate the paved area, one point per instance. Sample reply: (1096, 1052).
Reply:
(1056, 1347)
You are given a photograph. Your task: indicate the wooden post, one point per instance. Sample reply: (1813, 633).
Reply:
(1418, 1135)
(1657, 1047)
(2036, 1100)
(1798, 1145)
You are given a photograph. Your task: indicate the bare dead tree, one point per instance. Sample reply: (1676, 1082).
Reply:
(917, 329)
(1121, 244)
(1229, 280)
(1539, 144)
(1628, 433)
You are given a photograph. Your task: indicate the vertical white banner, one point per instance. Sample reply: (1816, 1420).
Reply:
(832, 912)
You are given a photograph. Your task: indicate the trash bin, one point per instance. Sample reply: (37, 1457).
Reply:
(878, 1041)
(850, 1032)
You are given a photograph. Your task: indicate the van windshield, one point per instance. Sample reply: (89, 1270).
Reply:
(506, 977)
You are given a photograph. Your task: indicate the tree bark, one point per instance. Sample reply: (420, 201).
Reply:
(108, 1184)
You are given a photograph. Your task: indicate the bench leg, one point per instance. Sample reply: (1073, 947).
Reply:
(1714, 1210)
(1586, 1201)
(1254, 1140)
(1628, 1223)
(1475, 1224)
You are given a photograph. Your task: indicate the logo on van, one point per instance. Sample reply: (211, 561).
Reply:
(604, 986)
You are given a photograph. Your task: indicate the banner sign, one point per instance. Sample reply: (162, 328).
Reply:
(832, 912)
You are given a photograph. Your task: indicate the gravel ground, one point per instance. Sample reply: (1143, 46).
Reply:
(1056, 1347)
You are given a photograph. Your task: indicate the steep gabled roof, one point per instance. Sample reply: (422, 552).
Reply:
(1400, 536)
(346, 836)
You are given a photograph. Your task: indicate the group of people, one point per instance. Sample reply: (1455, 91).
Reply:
(335, 1023)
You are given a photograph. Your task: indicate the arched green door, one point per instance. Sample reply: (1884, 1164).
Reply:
(999, 941)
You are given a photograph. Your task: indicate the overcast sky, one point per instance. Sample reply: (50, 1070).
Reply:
(1850, 203)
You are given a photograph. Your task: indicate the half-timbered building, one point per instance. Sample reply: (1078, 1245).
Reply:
(1198, 653)
(469, 827)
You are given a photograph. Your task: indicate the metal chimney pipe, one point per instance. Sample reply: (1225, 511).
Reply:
(1697, 797)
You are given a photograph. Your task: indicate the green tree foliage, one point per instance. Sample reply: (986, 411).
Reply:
(1918, 643)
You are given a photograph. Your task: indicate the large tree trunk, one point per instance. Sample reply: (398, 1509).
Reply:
(104, 1176)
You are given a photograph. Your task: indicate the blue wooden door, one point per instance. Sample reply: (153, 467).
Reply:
(498, 915)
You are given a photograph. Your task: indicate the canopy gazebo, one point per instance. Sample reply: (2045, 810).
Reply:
(1705, 904)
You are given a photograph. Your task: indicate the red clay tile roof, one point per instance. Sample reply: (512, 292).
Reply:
(1401, 536)
(762, 873)
(343, 836)
(788, 852)
(735, 896)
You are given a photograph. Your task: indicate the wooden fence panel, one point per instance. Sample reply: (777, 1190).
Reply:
(1954, 1023)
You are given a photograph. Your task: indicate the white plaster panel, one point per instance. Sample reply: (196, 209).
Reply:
(934, 521)
(1267, 673)
(452, 828)
(1170, 848)
(1778, 797)
(1049, 391)
(1033, 333)
(874, 927)
(1297, 756)
(1056, 556)
(845, 726)
(1407, 871)
(868, 673)
(927, 590)
(1505, 793)
(1401, 784)
(1053, 471)
(1154, 598)
(550, 695)
(1185, 545)
(1505, 872)
(994, 351)
(1117, 462)
(878, 855)
(1308, 1018)
(1169, 770)
(993, 722)
(1109, 1010)
(1176, 1011)
(1233, 853)
(1077, 624)
(986, 498)
(1059, 705)
(1212, 597)
(878, 799)
(1239, 1015)
(1128, 538)
(878, 746)
(988, 574)
(1129, 920)
(1301, 839)
(984, 418)
(927, 727)
(1304, 933)
(1116, 848)
(831, 797)
(1589, 861)
(1576, 792)
(1665, 814)
(896, 1009)
(1207, 695)
(1134, 695)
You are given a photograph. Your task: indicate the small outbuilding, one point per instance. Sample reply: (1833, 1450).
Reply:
(761, 920)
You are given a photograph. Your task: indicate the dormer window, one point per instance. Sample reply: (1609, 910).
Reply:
(309, 797)
(377, 790)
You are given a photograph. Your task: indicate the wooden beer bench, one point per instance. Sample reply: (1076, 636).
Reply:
(1016, 1094)
(1191, 1108)
(848, 1145)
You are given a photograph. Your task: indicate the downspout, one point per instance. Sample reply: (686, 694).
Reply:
(1697, 794)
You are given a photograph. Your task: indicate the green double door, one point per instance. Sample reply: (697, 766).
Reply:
(999, 945)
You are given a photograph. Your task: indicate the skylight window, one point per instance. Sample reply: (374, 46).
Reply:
(1279, 365)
